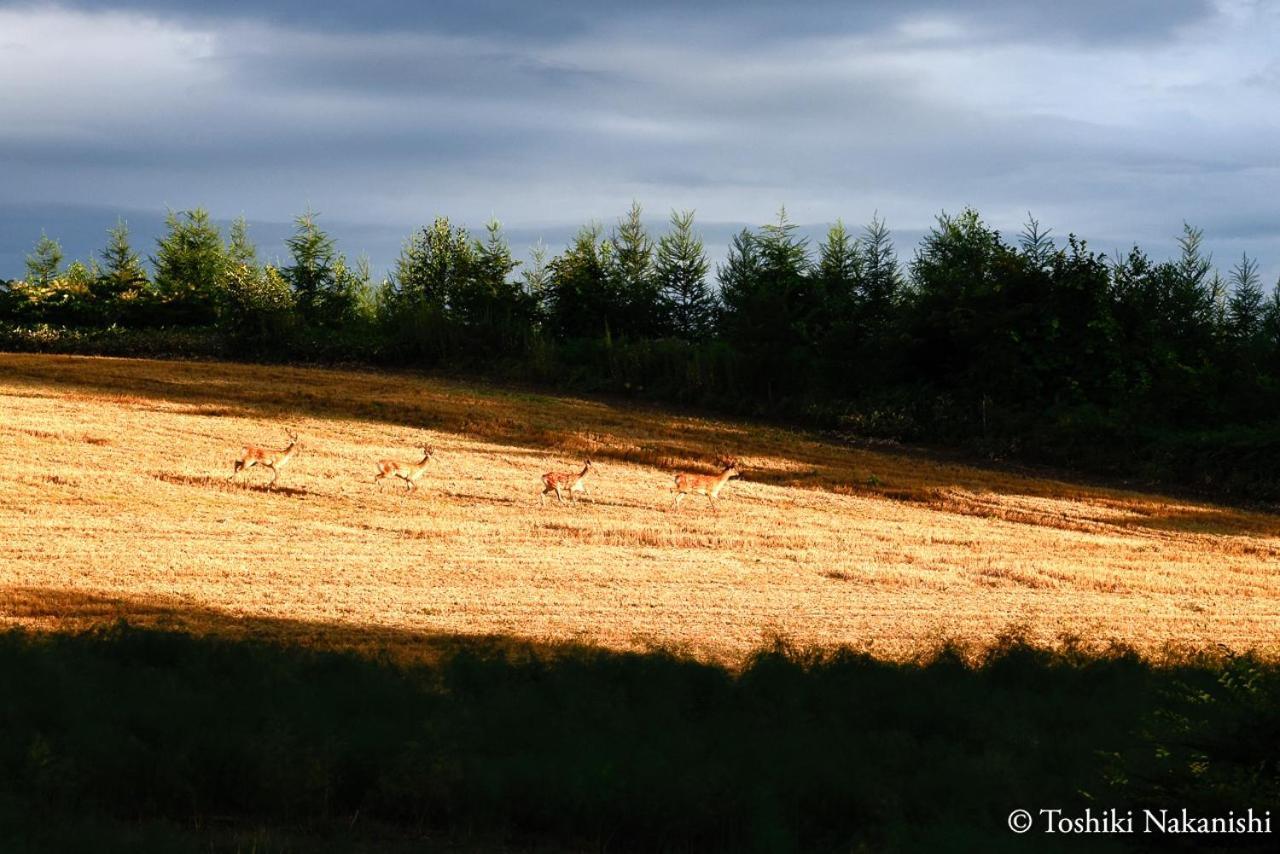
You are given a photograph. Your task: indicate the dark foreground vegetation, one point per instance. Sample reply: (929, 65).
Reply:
(1161, 370)
(133, 739)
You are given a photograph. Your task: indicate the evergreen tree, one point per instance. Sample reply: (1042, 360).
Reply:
(45, 262)
(313, 273)
(1036, 244)
(680, 272)
(636, 291)
(839, 272)
(771, 305)
(434, 265)
(881, 283)
(240, 249)
(1245, 307)
(191, 266)
(581, 302)
(122, 274)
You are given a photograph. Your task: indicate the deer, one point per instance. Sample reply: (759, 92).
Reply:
(704, 484)
(562, 482)
(252, 455)
(408, 472)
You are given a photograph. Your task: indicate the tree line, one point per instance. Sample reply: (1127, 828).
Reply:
(1026, 346)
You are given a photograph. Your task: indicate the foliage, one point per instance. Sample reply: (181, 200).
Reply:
(1010, 348)
(190, 267)
(680, 272)
(44, 261)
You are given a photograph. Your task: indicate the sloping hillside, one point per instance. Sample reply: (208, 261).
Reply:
(114, 500)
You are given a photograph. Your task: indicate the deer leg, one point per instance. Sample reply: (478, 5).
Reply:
(275, 473)
(410, 486)
(676, 503)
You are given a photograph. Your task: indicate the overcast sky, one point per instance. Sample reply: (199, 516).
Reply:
(1115, 120)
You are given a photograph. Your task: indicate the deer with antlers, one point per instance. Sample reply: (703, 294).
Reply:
(408, 472)
(705, 484)
(562, 482)
(252, 455)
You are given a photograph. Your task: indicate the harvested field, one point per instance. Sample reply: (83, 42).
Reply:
(114, 501)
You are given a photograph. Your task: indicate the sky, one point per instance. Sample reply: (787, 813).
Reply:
(1117, 121)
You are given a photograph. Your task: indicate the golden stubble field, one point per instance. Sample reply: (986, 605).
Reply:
(114, 502)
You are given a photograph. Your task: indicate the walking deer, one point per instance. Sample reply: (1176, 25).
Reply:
(408, 472)
(562, 482)
(704, 484)
(252, 455)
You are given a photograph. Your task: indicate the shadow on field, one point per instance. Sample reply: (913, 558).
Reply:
(579, 428)
(281, 736)
(220, 482)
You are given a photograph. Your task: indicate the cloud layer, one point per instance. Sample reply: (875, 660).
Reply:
(1114, 123)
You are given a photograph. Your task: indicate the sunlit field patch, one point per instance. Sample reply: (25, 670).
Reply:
(114, 488)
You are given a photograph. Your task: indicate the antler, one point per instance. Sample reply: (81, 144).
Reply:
(292, 435)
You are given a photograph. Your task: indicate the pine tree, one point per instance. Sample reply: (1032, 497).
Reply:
(631, 278)
(45, 262)
(681, 274)
(739, 277)
(839, 271)
(581, 302)
(122, 271)
(1036, 244)
(1245, 306)
(433, 266)
(881, 283)
(191, 266)
(240, 249)
(313, 273)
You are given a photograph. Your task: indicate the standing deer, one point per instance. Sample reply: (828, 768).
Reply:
(408, 472)
(562, 482)
(704, 484)
(252, 455)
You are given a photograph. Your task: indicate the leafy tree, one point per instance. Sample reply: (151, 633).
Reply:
(45, 262)
(191, 266)
(680, 271)
(260, 306)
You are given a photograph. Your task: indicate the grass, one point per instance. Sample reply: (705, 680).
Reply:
(114, 503)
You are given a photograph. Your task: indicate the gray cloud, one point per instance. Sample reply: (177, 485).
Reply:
(1112, 120)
